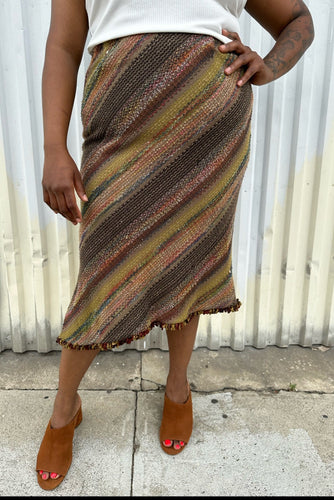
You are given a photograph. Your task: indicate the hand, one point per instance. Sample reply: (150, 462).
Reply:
(257, 72)
(60, 178)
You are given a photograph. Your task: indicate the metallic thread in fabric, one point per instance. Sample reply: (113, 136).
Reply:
(166, 145)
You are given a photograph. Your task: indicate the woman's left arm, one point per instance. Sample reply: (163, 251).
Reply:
(290, 23)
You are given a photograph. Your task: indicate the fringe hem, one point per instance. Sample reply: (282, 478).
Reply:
(108, 346)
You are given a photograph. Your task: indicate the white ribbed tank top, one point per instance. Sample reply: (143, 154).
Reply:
(109, 19)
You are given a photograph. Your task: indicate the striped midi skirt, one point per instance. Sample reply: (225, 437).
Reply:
(166, 137)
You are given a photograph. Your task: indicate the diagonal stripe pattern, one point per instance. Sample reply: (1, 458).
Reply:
(166, 145)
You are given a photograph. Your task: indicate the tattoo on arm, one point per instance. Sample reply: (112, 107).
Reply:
(292, 42)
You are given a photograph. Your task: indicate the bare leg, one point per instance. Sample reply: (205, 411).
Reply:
(72, 368)
(181, 344)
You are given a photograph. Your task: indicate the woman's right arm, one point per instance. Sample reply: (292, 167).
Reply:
(64, 48)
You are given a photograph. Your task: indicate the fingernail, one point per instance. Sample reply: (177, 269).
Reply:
(85, 197)
(44, 476)
(228, 70)
(53, 475)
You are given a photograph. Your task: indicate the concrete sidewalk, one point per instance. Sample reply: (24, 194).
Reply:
(263, 424)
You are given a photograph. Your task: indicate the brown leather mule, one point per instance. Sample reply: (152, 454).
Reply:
(177, 423)
(55, 453)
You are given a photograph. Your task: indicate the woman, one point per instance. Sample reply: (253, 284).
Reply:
(166, 117)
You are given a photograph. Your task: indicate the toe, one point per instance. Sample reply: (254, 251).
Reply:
(45, 475)
(175, 444)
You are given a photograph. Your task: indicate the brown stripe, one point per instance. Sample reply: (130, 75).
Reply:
(165, 179)
(102, 136)
(146, 62)
(171, 278)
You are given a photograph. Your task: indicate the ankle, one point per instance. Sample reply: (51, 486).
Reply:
(64, 409)
(177, 380)
(177, 388)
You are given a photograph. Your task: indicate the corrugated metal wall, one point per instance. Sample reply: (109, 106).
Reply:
(283, 249)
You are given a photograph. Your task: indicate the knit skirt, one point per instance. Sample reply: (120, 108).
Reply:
(166, 138)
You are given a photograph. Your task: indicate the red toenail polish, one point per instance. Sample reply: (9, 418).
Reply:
(168, 442)
(181, 443)
(177, 446)
(41, 472)
(44, 476)
(53, 475)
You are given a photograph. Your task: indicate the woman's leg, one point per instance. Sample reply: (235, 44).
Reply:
(72, 368)
(181, 344)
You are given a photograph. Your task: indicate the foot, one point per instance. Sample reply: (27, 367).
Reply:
(63, 412)
(178, 394)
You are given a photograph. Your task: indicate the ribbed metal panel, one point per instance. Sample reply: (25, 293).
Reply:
(283, 248)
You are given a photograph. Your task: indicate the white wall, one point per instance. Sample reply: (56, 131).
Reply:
(283, 249)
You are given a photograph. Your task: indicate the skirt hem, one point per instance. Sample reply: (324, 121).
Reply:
(107, 346)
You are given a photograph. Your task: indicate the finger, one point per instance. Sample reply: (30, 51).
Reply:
(64, 209)
(235, 46)
(246, 76)
(53, 202)
(72, 206)
(231, 34)
(46, 197)
(241, 61)
(79, 187)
